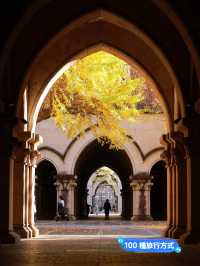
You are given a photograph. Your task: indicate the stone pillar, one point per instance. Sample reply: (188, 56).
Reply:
(59, 188)
(123, 203)
(85, 196)
(64, 192)
(34, 156)
(175, 157)
(66, 187)
(119, 202)
(71, 187)
(180, 184)
(21, 187)
(147, 194)
(141, 186)
(192, 144)
(166, 156)
(6, 183)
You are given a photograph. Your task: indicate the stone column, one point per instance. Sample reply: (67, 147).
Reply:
(173, 181)
(192, 143)
(21, 187)
(59, 188)
(34, 156)
(119, 201)
(141, 186)
(85, 195)
(147, 192)
(123, 203)
(180, 184)
(64, 192)
(166, 156)
(175, 158)
(71, 187)
(6, 183)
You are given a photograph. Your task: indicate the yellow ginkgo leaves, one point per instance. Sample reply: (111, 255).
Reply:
(97, 92)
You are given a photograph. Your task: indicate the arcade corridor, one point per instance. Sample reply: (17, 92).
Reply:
(158, 169)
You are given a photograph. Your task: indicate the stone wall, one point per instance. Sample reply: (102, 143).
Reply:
(143, 151)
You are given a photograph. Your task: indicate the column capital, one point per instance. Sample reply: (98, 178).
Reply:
(67, 180)
(141, 181)
(71, 184)
(179, 147)
(34, 155)
(166, 156)
(58, 185)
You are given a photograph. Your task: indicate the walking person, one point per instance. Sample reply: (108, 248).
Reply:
(107, 208)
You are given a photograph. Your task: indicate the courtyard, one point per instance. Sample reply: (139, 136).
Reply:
(91, 243)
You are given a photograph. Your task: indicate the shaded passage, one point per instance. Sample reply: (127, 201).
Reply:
(45, 190)
(159, 191)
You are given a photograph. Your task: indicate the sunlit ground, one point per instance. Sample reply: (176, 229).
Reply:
(98, 227)
(92, 242)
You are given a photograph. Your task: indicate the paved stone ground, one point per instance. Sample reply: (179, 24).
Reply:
(91, 249)
(98, 226)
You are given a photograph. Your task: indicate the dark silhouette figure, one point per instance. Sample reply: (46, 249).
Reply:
(107, 209)
(87, 209)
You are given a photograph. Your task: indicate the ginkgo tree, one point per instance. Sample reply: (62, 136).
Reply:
(97, 92)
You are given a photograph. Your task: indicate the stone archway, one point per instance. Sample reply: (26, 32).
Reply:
(94, 156)
(164, 82)
(104, 177)
(134, 44)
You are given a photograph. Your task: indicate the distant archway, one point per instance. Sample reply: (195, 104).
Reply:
(159, 191)
(104, 184)
(93, 157)
(45, 191)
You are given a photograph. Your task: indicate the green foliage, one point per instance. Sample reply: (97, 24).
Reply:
(97, 92)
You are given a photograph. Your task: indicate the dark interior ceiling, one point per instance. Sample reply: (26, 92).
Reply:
(43, 25)
(11, 11)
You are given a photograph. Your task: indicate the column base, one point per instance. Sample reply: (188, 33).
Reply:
(169, 230)
(72, 218)
(190, 237)
(23, 231)
(141, 218)
(9, 238)
(178, 231)
(34, 229)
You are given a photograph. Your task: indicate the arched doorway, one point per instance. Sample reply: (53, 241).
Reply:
(159, 191)
(104, 184)
(104, 191)
(95, 156)
(45, 191)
